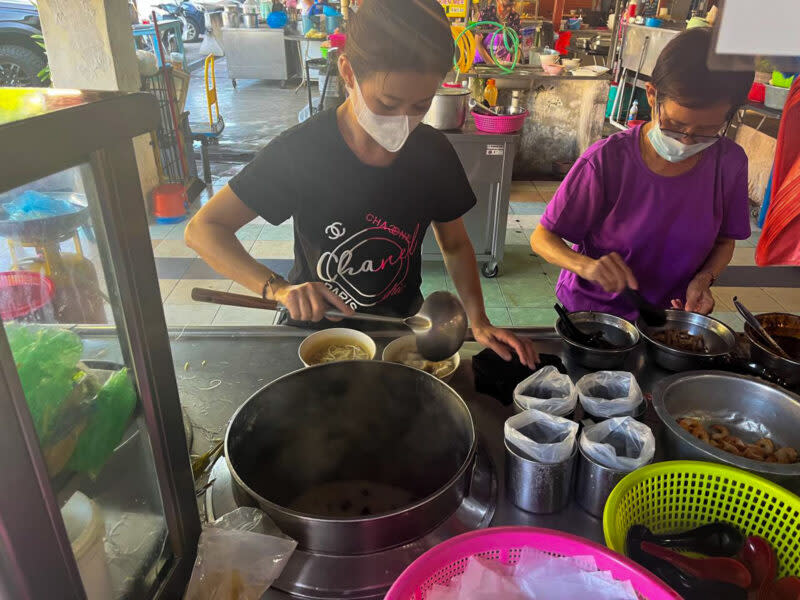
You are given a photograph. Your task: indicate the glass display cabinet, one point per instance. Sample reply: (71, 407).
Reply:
(98, 500)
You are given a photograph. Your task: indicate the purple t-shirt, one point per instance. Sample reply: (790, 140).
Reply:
(663, 227)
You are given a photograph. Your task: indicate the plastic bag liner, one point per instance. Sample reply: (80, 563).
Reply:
(541, 437)
(621, 443)
(547, 390)
(238, 556)
(609, 393)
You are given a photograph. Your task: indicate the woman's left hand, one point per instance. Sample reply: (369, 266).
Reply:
(699, 298)
(504, 343)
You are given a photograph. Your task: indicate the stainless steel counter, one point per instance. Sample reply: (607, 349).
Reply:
(219, 368)
(255, 53)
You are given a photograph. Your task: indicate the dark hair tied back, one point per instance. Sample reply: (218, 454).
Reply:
(399, 35)
(681, 74)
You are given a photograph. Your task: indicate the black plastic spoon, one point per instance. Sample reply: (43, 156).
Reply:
(714, 539)
(571, 330)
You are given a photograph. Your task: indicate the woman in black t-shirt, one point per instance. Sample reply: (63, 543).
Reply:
(362, 184)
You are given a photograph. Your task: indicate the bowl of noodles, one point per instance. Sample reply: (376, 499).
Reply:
(334, 345)
(404, 351)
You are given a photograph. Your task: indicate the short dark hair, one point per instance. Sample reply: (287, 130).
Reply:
(681, 74)
(400, 35)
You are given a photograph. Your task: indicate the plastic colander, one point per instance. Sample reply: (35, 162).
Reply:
(499, 123)
(505, 544)
(23, 292)
(679, 495)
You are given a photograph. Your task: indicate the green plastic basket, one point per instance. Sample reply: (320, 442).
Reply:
(679, 495)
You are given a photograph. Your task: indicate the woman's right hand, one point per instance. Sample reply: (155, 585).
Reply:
(309, 301)
(611, 272)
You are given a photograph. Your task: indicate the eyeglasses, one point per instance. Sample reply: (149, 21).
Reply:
(680, 135)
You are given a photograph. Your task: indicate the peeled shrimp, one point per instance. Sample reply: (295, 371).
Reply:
(689, 424)
(786, 455)
(718, 432)
(737, 442)
(767, 445)
(701, 434)
(728, 447)
(754, 452)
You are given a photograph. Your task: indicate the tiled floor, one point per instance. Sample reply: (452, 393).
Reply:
(523, 295)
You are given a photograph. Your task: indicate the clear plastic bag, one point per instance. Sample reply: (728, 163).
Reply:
(621, 443)
(238, 556)
(609, 393)
(541, 437)
(547, 390)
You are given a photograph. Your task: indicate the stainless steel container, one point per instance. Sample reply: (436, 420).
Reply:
(615, 329)
(232, 16)
(594, 484)
(448, 110)
(363, 425)
(748, 407)
(783, 324)
(774, 96)
(538, 487)
(250, 20)
(718, 337)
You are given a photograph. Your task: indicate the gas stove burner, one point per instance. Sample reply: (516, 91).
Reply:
(366, 576)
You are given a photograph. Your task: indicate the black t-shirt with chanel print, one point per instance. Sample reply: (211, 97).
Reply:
(357, 228)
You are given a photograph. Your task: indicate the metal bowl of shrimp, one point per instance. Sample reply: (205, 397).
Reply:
(688, 341)
(734, 420)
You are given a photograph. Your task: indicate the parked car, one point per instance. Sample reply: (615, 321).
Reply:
(21, 58)
(190, 16)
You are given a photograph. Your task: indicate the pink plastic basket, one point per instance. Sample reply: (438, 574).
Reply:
(499, 123)
(504, 544)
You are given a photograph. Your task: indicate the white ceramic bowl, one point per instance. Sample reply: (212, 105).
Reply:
(314, 342)
(409, 342)
(571, 63)
(549, 59)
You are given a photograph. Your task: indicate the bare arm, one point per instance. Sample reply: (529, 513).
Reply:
(459, 258)
(212, 234)
(610, 271)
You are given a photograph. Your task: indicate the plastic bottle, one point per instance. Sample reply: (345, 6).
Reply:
(634, 111)
(490, 93)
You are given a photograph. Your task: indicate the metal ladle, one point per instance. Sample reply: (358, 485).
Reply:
(440, 326)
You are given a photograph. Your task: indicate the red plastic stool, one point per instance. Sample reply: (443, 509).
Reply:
(169, 203)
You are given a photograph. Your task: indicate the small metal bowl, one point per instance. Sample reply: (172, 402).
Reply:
(718, 337)
(616, 330)
(749, 407)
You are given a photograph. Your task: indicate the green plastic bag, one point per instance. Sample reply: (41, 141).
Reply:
(46, 360)
(113, 407)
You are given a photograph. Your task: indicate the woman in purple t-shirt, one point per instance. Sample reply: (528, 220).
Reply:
(657, 207)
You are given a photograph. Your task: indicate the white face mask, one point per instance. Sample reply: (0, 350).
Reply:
(671, 149)
(391, 132)
(668, 147)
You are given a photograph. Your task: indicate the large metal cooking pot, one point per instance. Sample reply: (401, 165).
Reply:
(751, 409)
(329, 433)
(448, 109)
(781, 324)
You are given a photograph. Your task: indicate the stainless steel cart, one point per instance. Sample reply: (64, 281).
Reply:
(488, 160)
